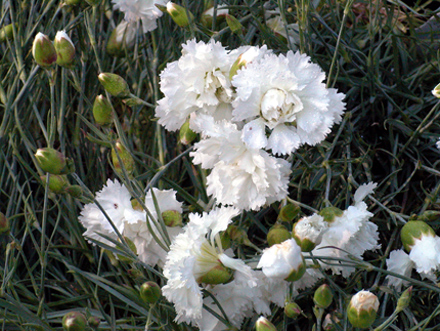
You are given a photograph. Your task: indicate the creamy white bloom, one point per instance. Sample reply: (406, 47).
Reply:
(425, 253)
(114, 199)
(399, 263)
(197, 83)
(364, 300)
(352, 233)
(243, 177)
(311, 228)
(194, 253)
(280, 260)
(140, 10)
(269, 290)
(286, 95)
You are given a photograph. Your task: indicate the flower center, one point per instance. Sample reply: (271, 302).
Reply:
(278, 107)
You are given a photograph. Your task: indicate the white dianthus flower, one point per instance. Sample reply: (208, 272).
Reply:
(196, 83)
(425, 253)
(400, 263)
(309, 230)
(243, 177)
(286, 95)
(195, 253)
(140, 10)
(351, 233)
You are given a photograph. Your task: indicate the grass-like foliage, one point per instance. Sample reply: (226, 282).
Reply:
(382, 54)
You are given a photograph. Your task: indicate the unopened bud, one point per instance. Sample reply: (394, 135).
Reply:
(323, 296)
(136, 205)
(132, 247)
(413, 230)
(65, 50)
(4, 224)
(277, 234)
(150, 292)
(217, 275)
(330, 213)
(172, 218)
(75, 191)
(436, 91)
(404, 299)
(74, 321)
(53, 162)
(7, 32)
(178, 14)
(289, 212)
(43, 51)
(125, 157)
(263, 324)
(234, 24)
(292, 310)
(329, 323)
(57, 183)
(362, 309)
(186, 135)
(102, 111)
(238, 235)
(93, 322)
(208, 15)
(121, 38)
(429, 216)
(114, 84)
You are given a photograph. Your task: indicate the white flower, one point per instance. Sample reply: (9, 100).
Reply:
(194, 253)
(114, 199)
(270, 290)
(126, 33)
(438, 144)
(140, 10)
(281, 261)
(310, 229)
(352, 233)
(286, 95)
(197, 83)
(399, 263)
(426, 253)
(242, 177)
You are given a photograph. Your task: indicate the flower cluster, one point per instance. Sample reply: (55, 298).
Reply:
(249, 106)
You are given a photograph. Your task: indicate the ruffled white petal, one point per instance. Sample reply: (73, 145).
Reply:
(399, 263)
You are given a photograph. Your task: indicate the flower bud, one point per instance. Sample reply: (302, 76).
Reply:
(53, 162)
(277, 234)
(263, 324)
(136, 205)
(362, 309)
(225, 239)
(292, 310)
(413, 230)
(75, 191)
(43, 51)
(329, 323)
(7, 32)
(404, 299)
(186, 135)
(308, 232)
(429, 216)
(330, 213)
(234, 24)
(4, 224)
(178, 14)
(217, 275)
(172, 218)
(102, 111)
(65, 50)
(93, 322)
(57, 183)
(121, 38)
(131, 246)
(150, 292)
(114, 84)
(74, 321)
(208, 16)
(436, 91)
(288, 213)
(126, 158)
(323, 296)
(238, 235)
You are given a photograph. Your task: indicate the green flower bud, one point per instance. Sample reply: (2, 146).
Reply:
(186, 135)
(404, 299)
(362, 309)
(136, 205)
(413, 230)
(238, 235)
(172, 218)
(329, 214)
(65, 50)
(93, 322)
(292, 310)
(263, 324)
(75, 191)
(4, 224)
(132, 247)
(102, 111)
(217, 275)
(234, 24)
(208, 15)
(74, 321)
(114, 84)
(436, 91)
(135, 273)
(289, 212)
(43, 51)
(53, 162)
(57, 183)
(225, 239)
(429, 216)
(150, 292)
(323, 296)
(126, 158)
(278, 234)
(7, 32)
(179, 14)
